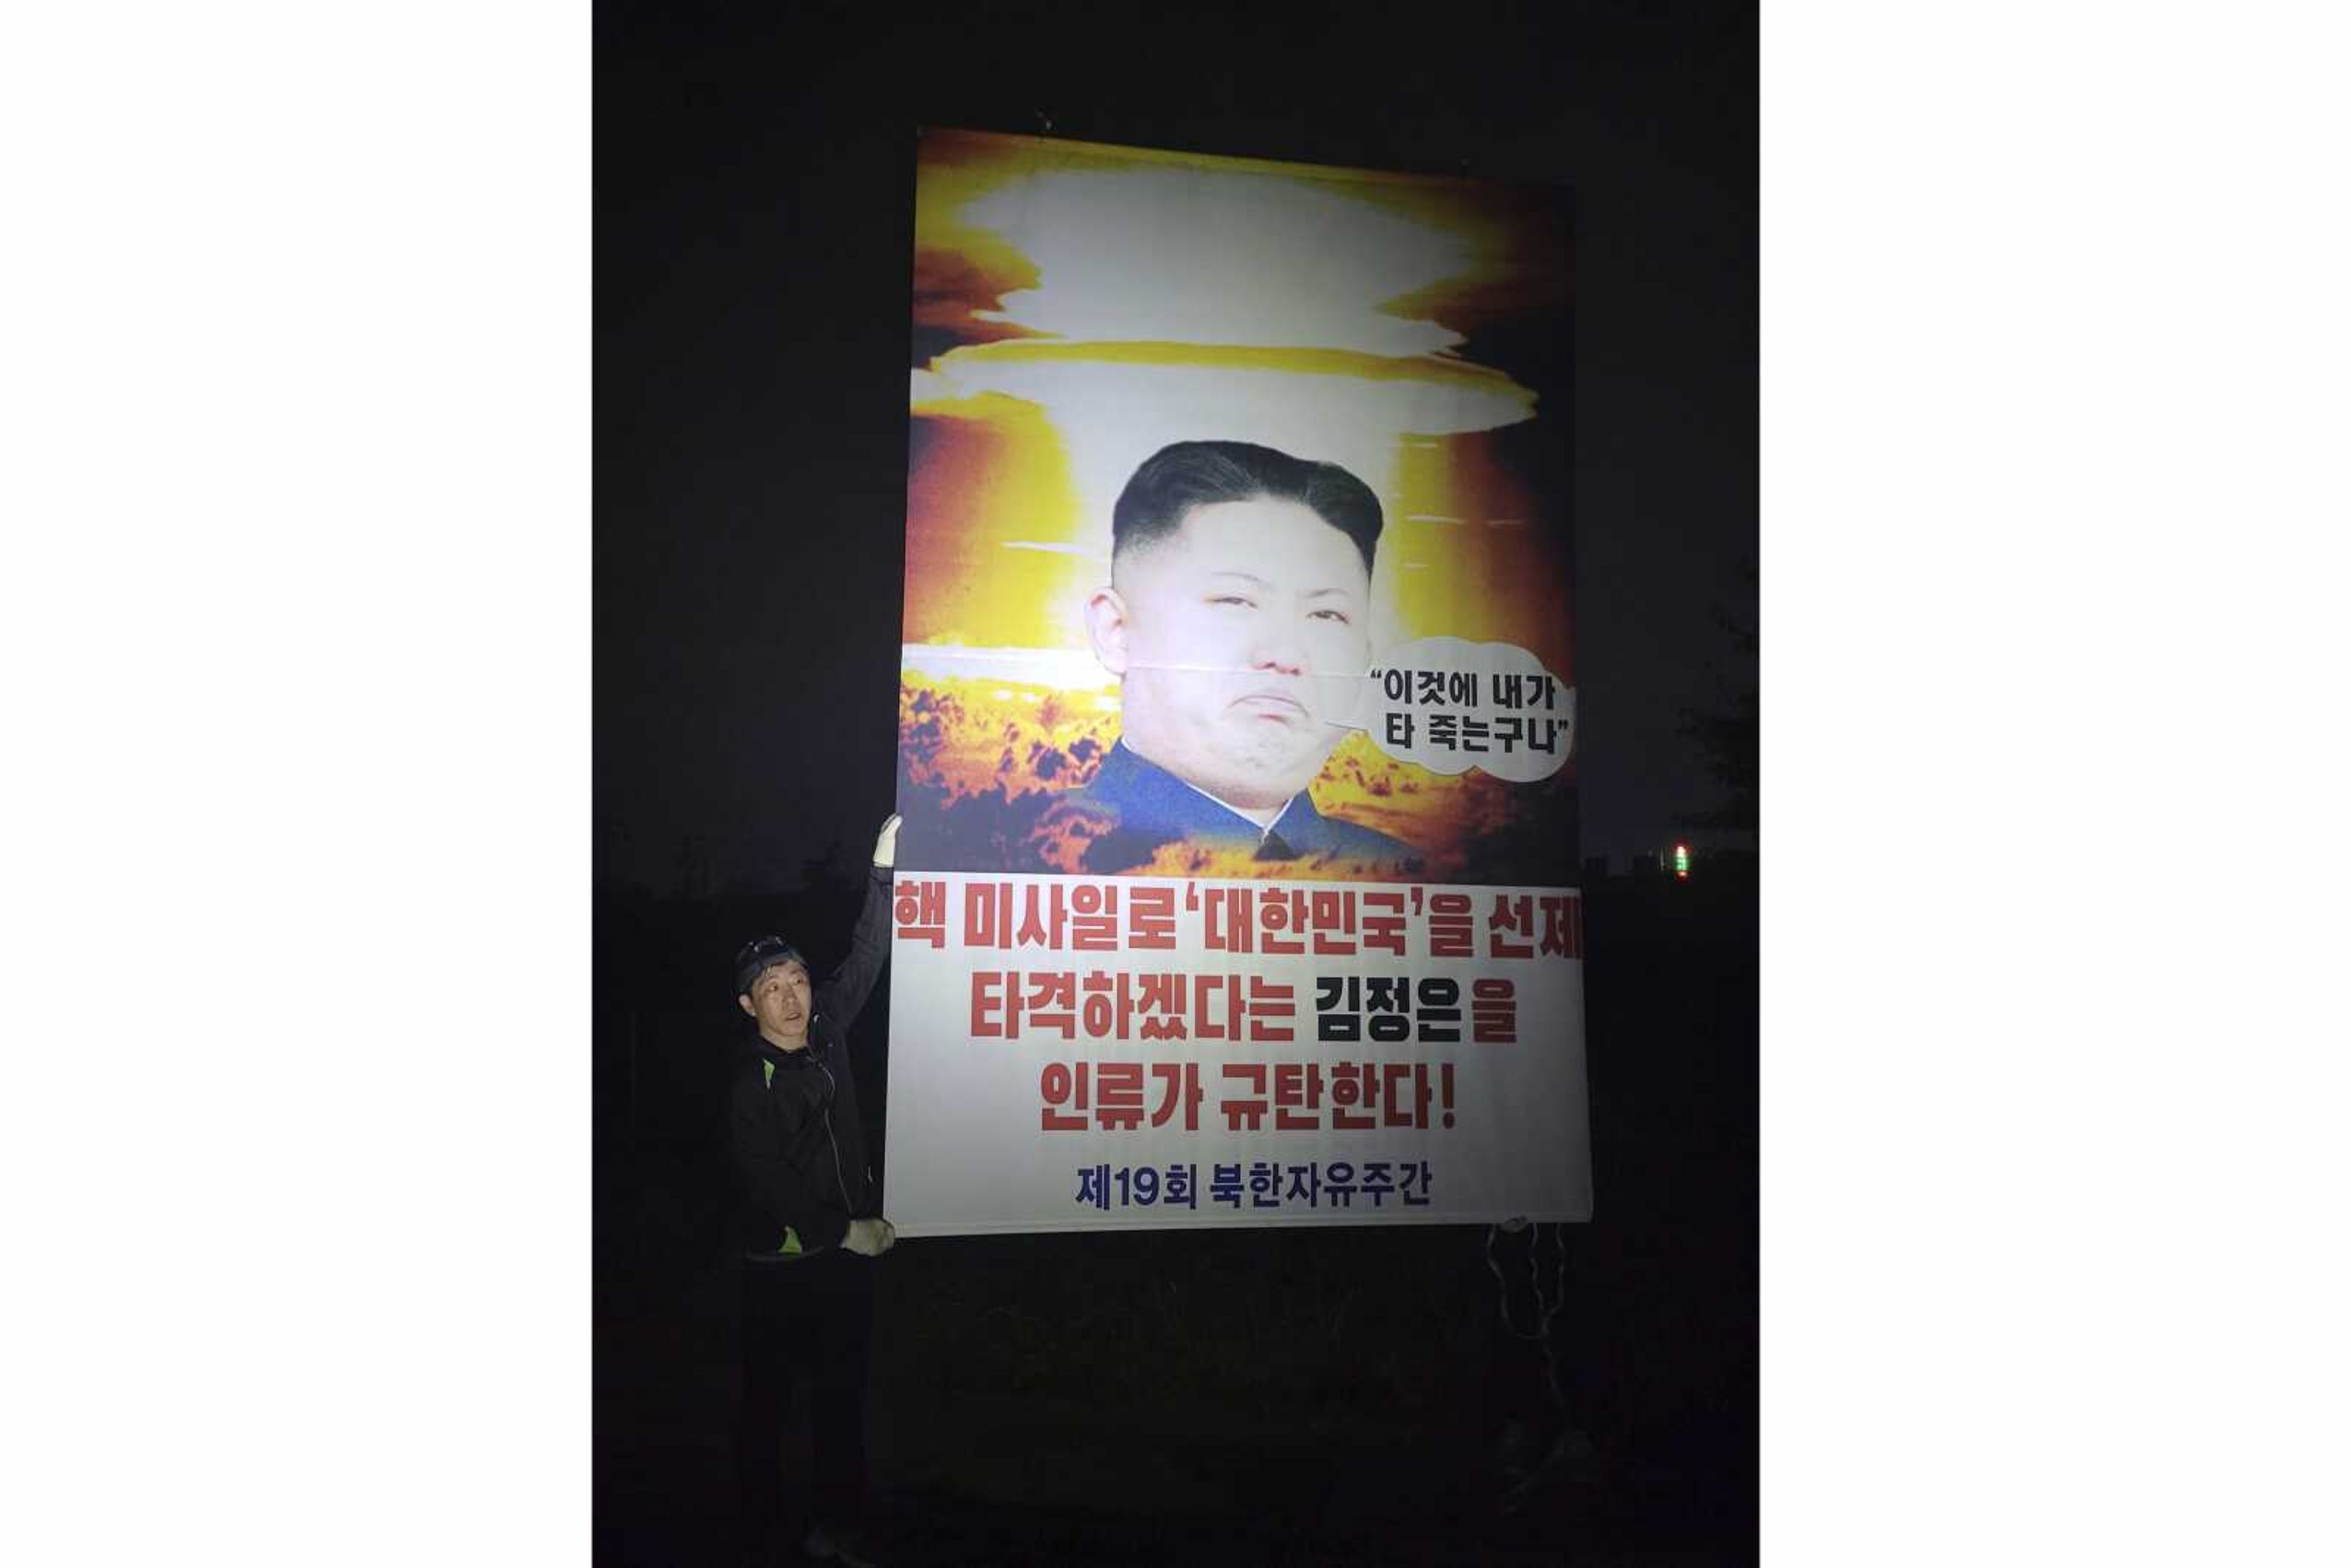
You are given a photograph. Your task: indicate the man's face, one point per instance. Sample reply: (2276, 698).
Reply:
(780, 1001)
(1238, 637)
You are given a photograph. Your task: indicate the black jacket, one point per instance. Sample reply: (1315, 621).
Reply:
(798, 1143)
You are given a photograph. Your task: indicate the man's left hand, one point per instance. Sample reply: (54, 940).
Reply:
(885, 844)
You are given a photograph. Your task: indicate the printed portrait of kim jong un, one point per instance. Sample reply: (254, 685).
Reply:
(1236, 620)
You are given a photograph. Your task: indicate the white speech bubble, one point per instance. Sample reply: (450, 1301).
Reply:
(1451, 706)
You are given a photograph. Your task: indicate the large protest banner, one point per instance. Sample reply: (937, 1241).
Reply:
(1237, 709)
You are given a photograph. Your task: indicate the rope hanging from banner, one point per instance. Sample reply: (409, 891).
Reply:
(1547, 1305)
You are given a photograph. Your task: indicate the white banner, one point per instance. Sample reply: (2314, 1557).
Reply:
(1114, 1052)
(1237, 714)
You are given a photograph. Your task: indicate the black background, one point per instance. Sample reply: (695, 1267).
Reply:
(754, 171)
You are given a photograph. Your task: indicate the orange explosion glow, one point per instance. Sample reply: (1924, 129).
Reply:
(974, 741)
(1077, 308)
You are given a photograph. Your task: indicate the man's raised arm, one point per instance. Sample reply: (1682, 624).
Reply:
(844, 991)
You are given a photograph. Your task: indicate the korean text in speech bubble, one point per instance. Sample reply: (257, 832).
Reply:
(1451, 706)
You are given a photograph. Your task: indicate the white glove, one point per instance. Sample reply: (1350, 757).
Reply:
(885, 844)
(869, 1237)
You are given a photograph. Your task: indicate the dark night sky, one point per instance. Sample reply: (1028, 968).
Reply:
(754, 231)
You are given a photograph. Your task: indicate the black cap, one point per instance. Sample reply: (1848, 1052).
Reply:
(758, 956)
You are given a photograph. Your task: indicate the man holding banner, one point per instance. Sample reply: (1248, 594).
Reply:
(812, 1221)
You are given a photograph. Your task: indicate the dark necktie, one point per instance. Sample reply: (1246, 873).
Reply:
(1276, 848)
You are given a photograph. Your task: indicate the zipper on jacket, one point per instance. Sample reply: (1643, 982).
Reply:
(834, 1084)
